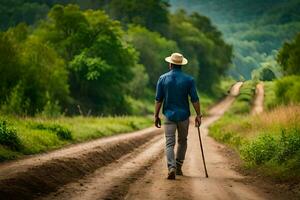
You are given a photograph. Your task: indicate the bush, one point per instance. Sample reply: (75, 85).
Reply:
(288, 90)
(279, 151)
(270, 96)
(260, 150)
(9, 137)
(61, 131)
(289, 144)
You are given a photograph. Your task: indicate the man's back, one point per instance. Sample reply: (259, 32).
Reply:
(173, 88)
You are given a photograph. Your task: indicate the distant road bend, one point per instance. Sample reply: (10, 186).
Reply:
(129, 166)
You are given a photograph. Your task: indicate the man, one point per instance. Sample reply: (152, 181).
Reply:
(173, 90)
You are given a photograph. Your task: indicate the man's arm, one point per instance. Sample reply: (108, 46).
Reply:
(156, 114)
(157, 108)
(197, 108)
(195, 102)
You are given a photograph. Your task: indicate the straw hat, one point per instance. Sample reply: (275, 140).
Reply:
(177, 59)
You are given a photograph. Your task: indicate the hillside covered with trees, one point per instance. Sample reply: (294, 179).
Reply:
(256, 29)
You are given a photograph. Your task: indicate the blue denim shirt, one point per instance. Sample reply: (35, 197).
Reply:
(173, 89)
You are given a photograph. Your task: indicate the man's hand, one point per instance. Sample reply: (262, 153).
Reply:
(157, 122)
(198, 120)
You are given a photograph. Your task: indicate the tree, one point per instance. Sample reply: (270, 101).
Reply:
(152, 57)
(31, 70)
(288, 57)
(202, 43)
(45, 73)
(14, 12)
(99, 61)
(153, 14)
(10, 66)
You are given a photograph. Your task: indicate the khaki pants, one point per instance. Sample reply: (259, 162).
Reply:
(170, 133)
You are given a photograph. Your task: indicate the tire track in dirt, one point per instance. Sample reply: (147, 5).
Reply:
(258, 103)
(113, 181)
(42, 174)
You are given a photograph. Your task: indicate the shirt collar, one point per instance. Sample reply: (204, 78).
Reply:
(176, 69)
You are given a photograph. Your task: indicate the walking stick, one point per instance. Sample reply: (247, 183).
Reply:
(202, 151)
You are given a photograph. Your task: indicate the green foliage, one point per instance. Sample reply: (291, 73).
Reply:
(208, 54)
(15, 11)
(43, 134)
(267, 75)
(224, 88)
(142, 108)
(269, 142)
(51, 109)
(153, 56)
(139, 84)
(288, 89)
(289, 144)
(16, 103)
(260, 150)
(61, 131)
(75, 59)
(152, 14)
(288, 57)
(227, 136)
(243, 102)
(99, 59)
(270, 96)
(10, 68)
(7, 154)
(9, 137)
(35, 68)
(277, 156)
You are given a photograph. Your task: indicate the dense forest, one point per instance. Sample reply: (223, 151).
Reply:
(89, 56)
(255, 28)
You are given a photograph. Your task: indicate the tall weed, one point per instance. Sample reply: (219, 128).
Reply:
(16, 103)
(9, 137)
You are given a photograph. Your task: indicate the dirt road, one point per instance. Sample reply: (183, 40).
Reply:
(258, 105)
(131, 166)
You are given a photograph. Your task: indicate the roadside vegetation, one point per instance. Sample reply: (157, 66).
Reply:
(268, 142)
(26, 136)
(270, 95)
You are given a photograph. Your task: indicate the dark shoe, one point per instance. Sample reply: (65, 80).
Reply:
(178, 170)
(172, 174)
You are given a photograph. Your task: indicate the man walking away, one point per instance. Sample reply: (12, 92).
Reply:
(173, 91)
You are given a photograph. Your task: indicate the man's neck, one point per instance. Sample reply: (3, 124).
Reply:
(176, 69)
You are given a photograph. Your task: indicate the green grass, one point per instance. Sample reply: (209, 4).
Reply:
(220, 92)
(243, 103)
(223, 88)
(270, 96)
(269, 143)
(206, 101)
(40, 134)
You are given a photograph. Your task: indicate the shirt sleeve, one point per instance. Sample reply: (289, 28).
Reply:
(159, 91)
(193, 92)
